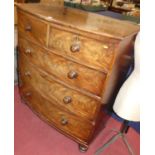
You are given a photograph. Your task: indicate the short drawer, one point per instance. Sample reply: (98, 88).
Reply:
(80, 48)
(31, 27)
(63, 96)
(67, 71)
(65, 122)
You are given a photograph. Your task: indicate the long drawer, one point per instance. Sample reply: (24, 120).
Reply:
(63, 121)
(32, 28)
(80, 48)
(72, 100)
(67, 71)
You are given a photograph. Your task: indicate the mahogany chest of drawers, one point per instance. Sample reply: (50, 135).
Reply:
(69, 63)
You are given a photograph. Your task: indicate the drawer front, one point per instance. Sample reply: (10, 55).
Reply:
(72, 100)
(65, 122)
(32, 28)
(67, 71)
(90, 51)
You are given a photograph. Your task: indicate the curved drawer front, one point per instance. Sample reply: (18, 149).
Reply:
(67, 71)
(74, 101)
(32, 28)
(65, 122)
(90, 51)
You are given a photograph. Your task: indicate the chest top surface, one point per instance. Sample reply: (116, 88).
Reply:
(82, 20)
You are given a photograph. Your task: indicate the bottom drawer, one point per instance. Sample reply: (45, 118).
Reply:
(69, 124)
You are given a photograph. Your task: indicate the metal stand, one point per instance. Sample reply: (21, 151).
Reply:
(121, 134)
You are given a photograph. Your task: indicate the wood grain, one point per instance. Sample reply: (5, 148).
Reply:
(55, 116)
(37, 29)
(100, 54)
(80, 105)
(82, 20)
(60, 67)
(53, 2)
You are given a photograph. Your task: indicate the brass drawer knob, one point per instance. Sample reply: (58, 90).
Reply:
(27, 73)
(28, 28)
(67, 99)
(64, 121)
(28, 51)
(75, 47)
(72, 75)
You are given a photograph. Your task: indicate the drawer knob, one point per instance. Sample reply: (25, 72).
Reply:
(75, 47)
(72, 75)
(105, 46)
(28, 94)
(28, 51)
(64, 121)
(67, 99)
(27, 73)
(28, 28)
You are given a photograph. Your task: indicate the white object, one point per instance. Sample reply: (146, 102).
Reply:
(127, 103)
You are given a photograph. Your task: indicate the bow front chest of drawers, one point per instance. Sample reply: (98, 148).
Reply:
(69, 64)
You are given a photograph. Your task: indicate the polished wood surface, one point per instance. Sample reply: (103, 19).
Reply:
(81, 20)
(67, 123)
(30, 26)
(57, 92)
(63, 69)
(90, 51)
(70, 65)
(53, 2)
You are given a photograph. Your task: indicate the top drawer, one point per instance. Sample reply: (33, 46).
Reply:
(89, 51)
(32, 28)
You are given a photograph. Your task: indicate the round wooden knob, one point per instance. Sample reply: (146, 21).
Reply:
(67, 99)
(64, 121)
(27, 73)
(75, 47)
(105, 46)
(72, 75)
(28, 51)
(28, 28)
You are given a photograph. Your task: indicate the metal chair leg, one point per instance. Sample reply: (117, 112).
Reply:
(112, 140)
(127, 144)
(109, 142)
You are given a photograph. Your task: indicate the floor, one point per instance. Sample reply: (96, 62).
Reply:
(34, 137)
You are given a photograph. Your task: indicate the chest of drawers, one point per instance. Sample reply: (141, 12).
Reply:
(69, 64)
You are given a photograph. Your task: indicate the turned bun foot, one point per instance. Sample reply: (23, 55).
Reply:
(83, 148)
